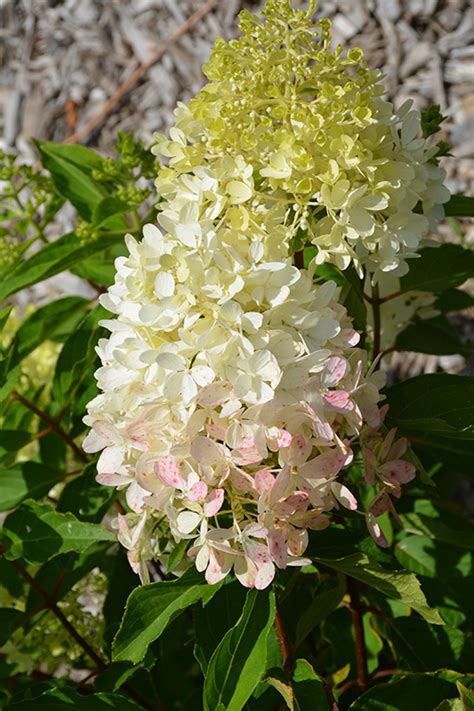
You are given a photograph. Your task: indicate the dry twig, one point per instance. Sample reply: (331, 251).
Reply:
(138, 74)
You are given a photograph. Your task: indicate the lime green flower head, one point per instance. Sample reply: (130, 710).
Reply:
(312, 124)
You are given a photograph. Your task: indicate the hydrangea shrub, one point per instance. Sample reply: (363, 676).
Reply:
(286, 519)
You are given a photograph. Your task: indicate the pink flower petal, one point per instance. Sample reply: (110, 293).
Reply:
(215, 431)
(264, 480)
(279, 440)
(400, 470)
(338, 400)
(379, 505)
(167, 469)
(264, 576)
(297, 540)
(299, 450)
(325, 465)
(219, 566)
(242, 481)
(294, 503)
(213, 502)
(206, 451)
(344, 496)
(322, 430)
(198, 491)
(281, 484)
(278, 548)
(375, 531)
(135, 496)
(112, 479)
(334, 371)
(106, 430)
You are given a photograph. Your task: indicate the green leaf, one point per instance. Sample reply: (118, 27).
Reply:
(436, 403)
(25, 480)
(77, 354)
(439, 268)
(431, 120)
(37, 532)
(121, 581)
(8, 380)
(422, 647)
(351, 291)
(466, 695)
(436, 411)
(10, 619)
(4, 315)
(422, 692)
(101, 271)
(239, 661)
(215, 619)
(85, 498)
(444, 522)
(424, 556)
(65, 699)
(150, 608)
(56, 257)
(452, 705)
(47, 323)
(435, 336)
(398, 584)
(70, 168)
(284, 688)
(82, 157)
(453, 300)
(351, 297)
(106, 212)
(12, 441)
(177, 555)
(309, 688)
(320, 608)
(459, 206)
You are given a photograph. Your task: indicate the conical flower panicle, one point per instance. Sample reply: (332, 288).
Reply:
(233, 392)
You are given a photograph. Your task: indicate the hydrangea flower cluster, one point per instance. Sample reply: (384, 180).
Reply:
(356, 178)
(233, 391)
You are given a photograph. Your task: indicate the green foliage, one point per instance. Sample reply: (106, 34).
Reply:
(439, 268)
(398, 584)
(151, 608)
(421, 691)
(459, 206)
(436, 412)
(37, 532)
(431, 120)
(239, 661)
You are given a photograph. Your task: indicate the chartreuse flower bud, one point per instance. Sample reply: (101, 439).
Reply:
(313, 125)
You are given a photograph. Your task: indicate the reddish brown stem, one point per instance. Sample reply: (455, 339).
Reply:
(357, 621)
(377, 322)
(299, 259)
(382, 299)
(50, 604)
(53, 425)
(285, 648)
(384, 672)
